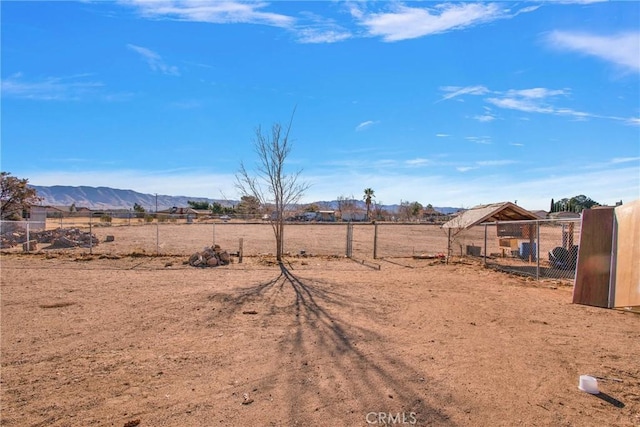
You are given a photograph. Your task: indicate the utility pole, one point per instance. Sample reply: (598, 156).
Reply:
(156, 202)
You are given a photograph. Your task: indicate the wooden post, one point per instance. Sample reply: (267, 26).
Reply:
(485, 245)
(90, 234)
(531, 242)
(537, 251)
(240, 250)
(375, 241)
(570, 236)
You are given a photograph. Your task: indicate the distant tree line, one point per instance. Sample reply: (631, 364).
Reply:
(575, 204)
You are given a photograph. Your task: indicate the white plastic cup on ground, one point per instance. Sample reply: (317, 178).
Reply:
(588, 384)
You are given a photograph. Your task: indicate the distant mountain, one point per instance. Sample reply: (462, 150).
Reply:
(113, 198)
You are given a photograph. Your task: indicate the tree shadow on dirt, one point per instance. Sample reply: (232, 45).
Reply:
(332, 364)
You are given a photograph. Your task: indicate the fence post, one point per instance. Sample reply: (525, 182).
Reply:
(90, 234)
(448, 244)
(157, 236)
(375, 241)
(537, 250)
(28, 238)
(485, 245)
(240, 250)
(214, 234)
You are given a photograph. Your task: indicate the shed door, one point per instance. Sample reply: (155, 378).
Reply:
(591, 285)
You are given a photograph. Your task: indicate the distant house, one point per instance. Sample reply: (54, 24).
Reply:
(326, 216)
(38, 217)
(354, 216)
(432, 215)
(178, 211)
(55, 211)
(540, 214)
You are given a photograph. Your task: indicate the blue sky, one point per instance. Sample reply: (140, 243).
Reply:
(453, 104)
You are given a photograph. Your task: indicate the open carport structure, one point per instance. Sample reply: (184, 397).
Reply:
(498, 213)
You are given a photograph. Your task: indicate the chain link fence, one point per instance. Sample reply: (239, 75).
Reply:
(542, 248)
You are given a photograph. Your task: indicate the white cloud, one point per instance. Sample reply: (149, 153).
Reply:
(485, 118)
(621, 49)
(418, 162)
(211, 11)
(495, 162)
(516, 144)
(578, 1)
(521, 104)
(625, 160)
(455, 91)
(154, 60)
(403, 22)
(318, 29)
(442, 135)
(50, 88)
(313, 35)
(365, 125)
(536, 93)
(533, 100)
(486, 140)
(464, 168)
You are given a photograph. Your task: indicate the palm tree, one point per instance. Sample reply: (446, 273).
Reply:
(368, 195)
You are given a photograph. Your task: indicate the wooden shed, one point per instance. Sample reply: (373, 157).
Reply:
(608, 272)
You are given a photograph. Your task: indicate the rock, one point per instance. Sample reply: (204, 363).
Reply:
(62, 243)
(210, 257)
(29, 246)
(225, 257)
(195, 260)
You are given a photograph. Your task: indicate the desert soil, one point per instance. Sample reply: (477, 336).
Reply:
(150, 341)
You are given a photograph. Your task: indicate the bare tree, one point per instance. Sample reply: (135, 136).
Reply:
(346, 204)
(271, 185)
(378, 209)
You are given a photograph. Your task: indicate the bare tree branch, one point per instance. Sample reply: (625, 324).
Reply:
(270, 184)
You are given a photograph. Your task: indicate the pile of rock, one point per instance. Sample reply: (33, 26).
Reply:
(210, 257)
(67, 238)
(58, 239)
(9, 240)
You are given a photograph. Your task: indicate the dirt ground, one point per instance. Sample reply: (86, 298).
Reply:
(136, 340)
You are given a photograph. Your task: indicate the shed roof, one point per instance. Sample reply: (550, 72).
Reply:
(504, 211)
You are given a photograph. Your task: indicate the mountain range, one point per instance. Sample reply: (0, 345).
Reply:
(113, 198)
